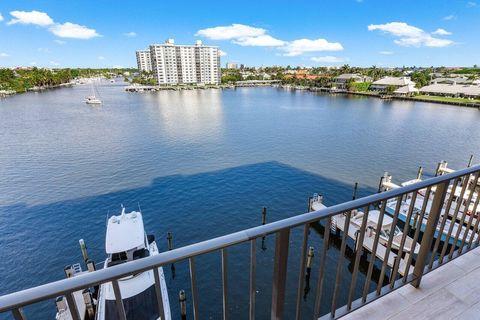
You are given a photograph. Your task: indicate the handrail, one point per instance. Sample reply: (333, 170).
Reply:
(60, 287)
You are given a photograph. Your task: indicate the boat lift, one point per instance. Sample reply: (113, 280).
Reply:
(338, 222)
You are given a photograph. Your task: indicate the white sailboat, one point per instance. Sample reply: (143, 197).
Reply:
(93, 98)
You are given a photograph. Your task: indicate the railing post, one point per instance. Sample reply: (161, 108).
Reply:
(72, 306)
(429, 232)
(158, 292)
(280, 273)
(18, 314)
(118, 301)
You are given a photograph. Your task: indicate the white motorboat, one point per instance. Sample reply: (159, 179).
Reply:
(126, 241)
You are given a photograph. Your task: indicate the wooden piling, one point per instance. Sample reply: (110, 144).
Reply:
(419, 173)
(83, 247)
(355, 189)
(470, 161)
(169, 241)
(183, 304)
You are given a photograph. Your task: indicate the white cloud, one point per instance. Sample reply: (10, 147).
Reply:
(1, 17)
(329, 59)
(386, 52)
(222, 53)
(450, 17)
(260, 41)
(471, 4)
(235, 31)
(117, 66)
(410, 36)
(31, 17)
(62, 30)
(441, 32)
(72, 30)
(245, 35)
(400, 29)
(242, 35)
(101, 58)
(33, 63)
(299, 47)
(130, 34)
(4, 55)
(54, 63)
(58, 41)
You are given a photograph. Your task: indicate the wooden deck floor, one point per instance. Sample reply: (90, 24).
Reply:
(450, 292)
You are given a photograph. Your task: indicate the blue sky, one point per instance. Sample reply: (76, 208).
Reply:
(306, 33)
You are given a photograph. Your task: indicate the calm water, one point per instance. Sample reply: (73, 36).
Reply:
(201, 164)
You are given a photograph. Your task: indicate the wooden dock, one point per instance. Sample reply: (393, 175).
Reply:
(368, 241)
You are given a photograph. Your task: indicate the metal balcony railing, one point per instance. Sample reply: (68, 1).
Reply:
(440, 194)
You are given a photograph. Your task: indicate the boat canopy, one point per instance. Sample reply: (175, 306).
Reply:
(125, 232)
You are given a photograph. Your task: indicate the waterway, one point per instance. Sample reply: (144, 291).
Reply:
(201, 163)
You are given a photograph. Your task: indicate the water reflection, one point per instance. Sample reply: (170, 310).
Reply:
(192, 115)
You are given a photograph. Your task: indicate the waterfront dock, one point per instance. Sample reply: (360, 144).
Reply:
(369, 245)
(430, 282)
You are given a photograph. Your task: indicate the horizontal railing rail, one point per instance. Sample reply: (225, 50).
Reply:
(16, 300)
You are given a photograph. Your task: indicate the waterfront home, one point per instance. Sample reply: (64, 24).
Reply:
(469, 91)
(342, 80)
(406, 91)
(451, 80)
(396, 82)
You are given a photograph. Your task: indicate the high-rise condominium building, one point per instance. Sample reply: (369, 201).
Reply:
(184, 64)
(144, 61)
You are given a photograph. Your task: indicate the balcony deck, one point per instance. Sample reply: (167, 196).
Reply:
(449, 292)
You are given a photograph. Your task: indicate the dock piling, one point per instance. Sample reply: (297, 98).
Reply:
(88, 299)
(169, 241)
(83, 247)
(419, 173)
(264, 220)
(355, 189)
(183, 304)
(470, 161)
(170, 247)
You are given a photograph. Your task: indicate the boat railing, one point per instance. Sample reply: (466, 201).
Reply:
(433, 252)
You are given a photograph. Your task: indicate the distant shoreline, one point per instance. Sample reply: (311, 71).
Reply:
(429, 99)
(142, 88)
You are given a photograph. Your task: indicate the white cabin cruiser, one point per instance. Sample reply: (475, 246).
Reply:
(126, 240)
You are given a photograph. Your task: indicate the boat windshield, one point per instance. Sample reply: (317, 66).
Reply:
(396, 232)
(140, 306)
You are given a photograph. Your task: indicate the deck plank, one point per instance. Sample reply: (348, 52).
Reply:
(450, 292)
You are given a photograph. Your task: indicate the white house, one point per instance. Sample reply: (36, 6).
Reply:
(406, 91)
(452, 90)
(397, 82)
(342, 80)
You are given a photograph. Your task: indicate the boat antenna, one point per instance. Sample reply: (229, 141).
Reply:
(139, 209)
(108, 212)
(123, 209)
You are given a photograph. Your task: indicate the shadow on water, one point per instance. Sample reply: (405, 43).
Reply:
(37, 241)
